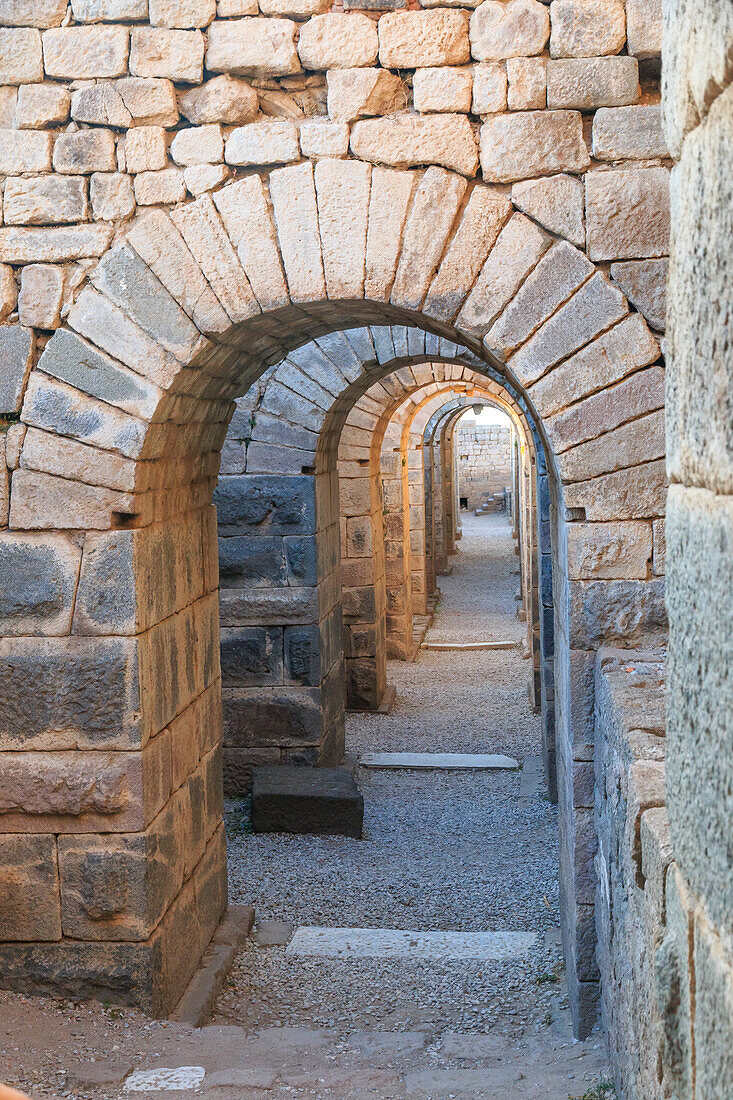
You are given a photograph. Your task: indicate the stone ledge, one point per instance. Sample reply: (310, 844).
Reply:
(195, 1005)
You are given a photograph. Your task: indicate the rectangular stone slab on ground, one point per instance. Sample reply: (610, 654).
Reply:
(292, 799)
(454, 761)
(398, 943)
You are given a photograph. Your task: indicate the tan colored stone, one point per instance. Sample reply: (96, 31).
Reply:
(75, 53)
(637, 493)
(293, 195)
(8, 291)
(442, 89)
(627, 213)
(587, 28)
(634, 396)
(644, 282)
(111, 195)
(527, 77)
(629, 133)
(228, 9)
(41, 105)
(434, 208)
(166, 187)
(297, 8)
(109, 11)
(446, 140)
(246, 214)
(509, 28)
(24, 151)
(146, 149)
(202, 178)
(20, 245)
(45, 200)
(222, 99)
(644, 27)
(131, 101)
(489, 89)
(203, 231)
(182, 14)
(42, 502)
(609, 550)
(586, 83)
(41, 295)
(34, 13)
(253, 47)
(421, 39)
(20, 56)
(660, 547)
(8, 102)
(520, 145)
(31, 906)
(172, 55)
(359, 93)
(85, 152)
(321, 138)
(336, 41)
(557, 203)
(272, 142)
(639, 441)
(198, 145)
(342, 191)
(390, 196)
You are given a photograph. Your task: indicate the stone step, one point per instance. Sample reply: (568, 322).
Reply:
(291, 799)
(364, 943)
(444, 761)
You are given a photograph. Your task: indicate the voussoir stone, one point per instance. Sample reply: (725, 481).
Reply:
(629, 133)
(644, 282)
(627, 213)
(336, 41)
(45, 200)
(584, 83)
(403, 141)
(421, 39)
(509, 28)
(520, 145)
(20, 55)
(271, 142)
(556, 202)
(73, 53)
(170, 54)
(363, 92)
(16, 347)
(222, 99)
(253, 47)
(587, 28)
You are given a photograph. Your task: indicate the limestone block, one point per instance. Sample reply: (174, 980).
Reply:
(442, 89)
(111, 195)
(182, 14)
(75, 53)
(8, 101)
(45, 200)
(222, 99)
(34, 13)
(519, 247)
(40, 105)
(713, 1006)
(434, 208)
(516, 28)
(146, 149)
(422, 39)
(29, 909)
(16, 347)
(627, 213)
(160, 188)
(609, 550)
(226, 9)
(557, 203)
(638, 441)
(489, 89)
(644, 27)
(247, 218)
(586, 83)
(41, 295)
(198, 145)
(24, 151)
(390, 196)
(20, 56)
(204, 233)
(636, 493)
(132, 101)
(336, 41)
(109, 11)
(587, 28)
(170, 54)
(324, 139)
(202, 178)
(296, 8)
(8, 291)
(521, 145)
(271, 142)
(446, 140)
(253, 47)
(527, 78)
(486, 212)
(85, 152)
(359, 93)
(629, 133)
(20, 245)
(644, 282)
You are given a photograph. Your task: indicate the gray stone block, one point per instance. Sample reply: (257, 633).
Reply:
(251, 655)
(302, 655)
(325, 801)
(38, 575)
(300, 557)
(16, 356)
(258, 503)
(263, 717)
(247, 561)
(79, 364)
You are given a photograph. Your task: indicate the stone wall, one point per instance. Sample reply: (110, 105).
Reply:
(484, 461)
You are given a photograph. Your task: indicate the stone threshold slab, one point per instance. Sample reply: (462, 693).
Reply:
(397, 943)
(466, 647)
(447, 761)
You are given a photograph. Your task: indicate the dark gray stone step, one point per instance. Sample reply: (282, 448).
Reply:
(292, 799)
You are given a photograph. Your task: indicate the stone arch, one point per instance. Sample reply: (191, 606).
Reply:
(126, 409)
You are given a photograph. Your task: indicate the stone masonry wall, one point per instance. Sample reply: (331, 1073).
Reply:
(484, 461)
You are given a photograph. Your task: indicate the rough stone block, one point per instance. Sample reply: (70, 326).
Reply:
(644, 282)
(319, 139)
(518, 28)
(76, 53)
(336, 41)
(109, 11)
(170, 54)
(24, 151)
(202, 178)
(146, 149)
(40, 105)
(164, 187)
(629, 133)
(182, 13)
(16, 354)
(638, 441)
(489, 89)
(627, 213)
(271, 505)
(112, 196)
(132, 101)
(32, 13)
(557, 203)
(433, 212)
(29, 906)
(271, 142)
(8, 102)
(45, 200)
(636, 493)
(245, 211)
(586, 83)
(198, 145)
(54, 407)
(587, 28)
(363, 92)
(609, 550)
(644, 28)
(527, 77)
(8, 291)
(253, 47)
(40, 574)
(85, 152)
(405, 140)
(251, 655)
(520, 145)
(221, 99)
(602, 412)
(20, 55)
(324, 801)
(422, 39)
(442, 89)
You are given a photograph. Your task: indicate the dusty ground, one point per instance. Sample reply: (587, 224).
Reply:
(440, 851)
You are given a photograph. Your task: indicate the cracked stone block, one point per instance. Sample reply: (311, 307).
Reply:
(363, 92)
(123, 103)
(557, 203)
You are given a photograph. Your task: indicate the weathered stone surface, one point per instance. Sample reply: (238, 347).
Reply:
(557, 203)
(609, 550)
(227, 9)
(132, 101)
(24, 151)
(34, 13)
(586, 83)
(272, 505)
(111, 195)
(306, 800)
(109, 11)
(359, 93)
(434, 208)
(30, 906)
(253, 47)
(53, 245)
(222, 99)
(628, 133)
(198, 145)
(172, 55)
(639, 441)
(636, 493)
(627, 213)
(85, 152)
(532, 143)
(342, 191)
(146, 149)
(442, 89)
(41, 295)
(320, 139)
(201, 178)
(246, 215)
(421, 39)
(602, 412)
(298, 8)
(527, 78)
(336, 41)
(40, 105)
(644, 27)
(59, 409)
(20, 56)
(271, 142)
(45, 200)
(403, 141)
(489, 89)
(644, 282)
(8, 102)
(517, 28)
(160, 188)
(204, 233)
(40, 573)
(73, 53)
(16, 349)
(587, 28)
(8, 291)
(390, 195)
(518, 249)
(182, 13)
